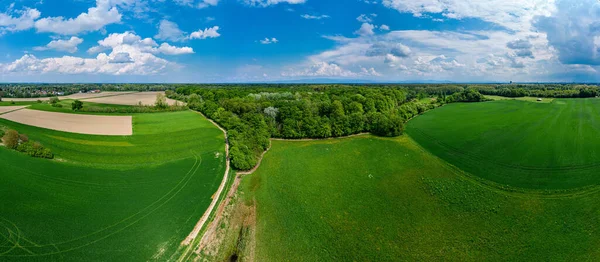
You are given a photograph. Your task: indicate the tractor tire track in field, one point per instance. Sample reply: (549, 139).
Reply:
(513, 192)
(53, 248)
(473, 157)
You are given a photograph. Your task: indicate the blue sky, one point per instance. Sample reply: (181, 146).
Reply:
(282, 40)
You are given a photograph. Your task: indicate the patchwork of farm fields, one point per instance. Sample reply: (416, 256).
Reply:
(376, 199)
(502, 180)
(110, 198)
(552, 146)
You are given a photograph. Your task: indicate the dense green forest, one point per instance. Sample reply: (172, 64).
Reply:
(252, 115)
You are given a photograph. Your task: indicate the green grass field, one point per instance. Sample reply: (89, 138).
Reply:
(526, 98)
(109, 198)
(377, 199)
(551, 146)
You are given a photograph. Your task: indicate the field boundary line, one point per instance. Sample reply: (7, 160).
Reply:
(7, 112)
(216, 197)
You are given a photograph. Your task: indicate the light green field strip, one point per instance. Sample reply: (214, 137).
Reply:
(526, 98)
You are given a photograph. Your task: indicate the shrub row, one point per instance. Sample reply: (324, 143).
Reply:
(20, 142)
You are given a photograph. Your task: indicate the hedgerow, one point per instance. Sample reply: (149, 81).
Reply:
(20, 142)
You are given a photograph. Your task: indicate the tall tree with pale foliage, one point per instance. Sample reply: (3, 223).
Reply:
(161, 101)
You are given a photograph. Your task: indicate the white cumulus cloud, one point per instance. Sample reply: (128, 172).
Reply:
(265, 3)
(365, 29)
(197, 4)
(65, 45)
(212, 32)
(168, 49)
(314, 17)
(18, 20)
(118, 54)
(268, 41)
(104, 13)
(168, 30)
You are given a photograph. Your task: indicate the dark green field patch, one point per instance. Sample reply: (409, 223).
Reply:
(529, 145)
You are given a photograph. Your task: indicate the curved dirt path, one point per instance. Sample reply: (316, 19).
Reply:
(212, 229)
(209, 234)
(194, 234)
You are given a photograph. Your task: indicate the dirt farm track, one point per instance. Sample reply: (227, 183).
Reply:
(6, 109)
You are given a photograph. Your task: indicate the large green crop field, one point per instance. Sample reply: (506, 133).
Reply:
(109, 198)
(549, 146)
(376, 199)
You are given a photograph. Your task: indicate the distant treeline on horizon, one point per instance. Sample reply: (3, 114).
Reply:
(564, 90)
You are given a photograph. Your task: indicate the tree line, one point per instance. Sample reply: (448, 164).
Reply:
(252, 115)
(546, 90)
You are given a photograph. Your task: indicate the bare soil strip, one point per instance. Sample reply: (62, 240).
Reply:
(146, 98)
(79, 96)
(8, 109)
(82, 124)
